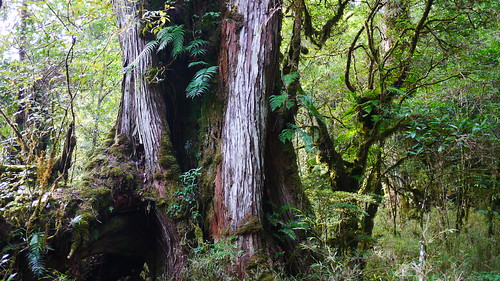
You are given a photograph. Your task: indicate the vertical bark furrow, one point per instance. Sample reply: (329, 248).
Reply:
(142, 112)
(142, 119)
(251, 75)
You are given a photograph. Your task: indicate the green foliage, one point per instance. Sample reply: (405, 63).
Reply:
(335, 208)
(169, 36)
(154, 21)
(186, 197)
(6, 268)
(290, 78)
(277, 101)
(451, 255)
(288, 134)
(213, 261)
(308, 102)
(287, 229)
(196, 50)
(36, 84)
(173, 36)
(431, 114)
(35, 253)
(200, 82)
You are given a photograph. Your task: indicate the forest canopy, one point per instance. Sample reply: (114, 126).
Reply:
(249, 140)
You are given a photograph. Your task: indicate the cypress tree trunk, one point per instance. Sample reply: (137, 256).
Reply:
(245, 164)
(250, 43)
(142, 121)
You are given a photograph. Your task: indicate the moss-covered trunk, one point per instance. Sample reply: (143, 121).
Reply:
(142, 120)
(228, 133)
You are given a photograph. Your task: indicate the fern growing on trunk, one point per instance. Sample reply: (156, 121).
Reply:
(174, 36)
(201, 82)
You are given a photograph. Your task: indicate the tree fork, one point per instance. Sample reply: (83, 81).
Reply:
(142, 120)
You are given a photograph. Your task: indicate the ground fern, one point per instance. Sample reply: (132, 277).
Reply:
(35, 253)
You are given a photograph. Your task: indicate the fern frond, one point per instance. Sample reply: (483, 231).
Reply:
(306, 139)
(197, 43)
(196, 63)
(287, 135)
(35, 253)
(289, 78)
(200, 82)
(276, 101)
(164, 37)
(308, 103)
(289, 233)
(178, 42)
(171, 35)
(194, 53)
(196, 49)
(148, 50)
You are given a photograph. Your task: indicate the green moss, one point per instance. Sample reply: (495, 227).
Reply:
(121, 139)
(198, 234)
(110, 139)
(115, 172)
(158, 176)
(161, 202)
(268, 277)
(97, 199)
(81, 230)
(167, 160)
(250, 224)
(258, 261)
(95, 162)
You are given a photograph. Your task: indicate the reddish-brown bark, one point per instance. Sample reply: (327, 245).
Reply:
(243, 153)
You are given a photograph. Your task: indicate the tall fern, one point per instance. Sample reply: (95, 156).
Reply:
(35, 253)
(196, 49)
(277, 101)
(171, 36)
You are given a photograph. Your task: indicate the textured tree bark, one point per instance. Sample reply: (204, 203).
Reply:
(142, 120)
(250, 40)
(254, 165)
(141, 117)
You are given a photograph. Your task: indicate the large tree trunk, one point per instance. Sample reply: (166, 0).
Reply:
(244, 162)
(142, 121)
(250, 42)
(142, 116)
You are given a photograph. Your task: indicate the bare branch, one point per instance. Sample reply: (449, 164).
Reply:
(19, 136)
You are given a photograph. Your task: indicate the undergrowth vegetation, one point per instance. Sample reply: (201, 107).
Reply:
(393, 123)
(450, 255)
(470, 254)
